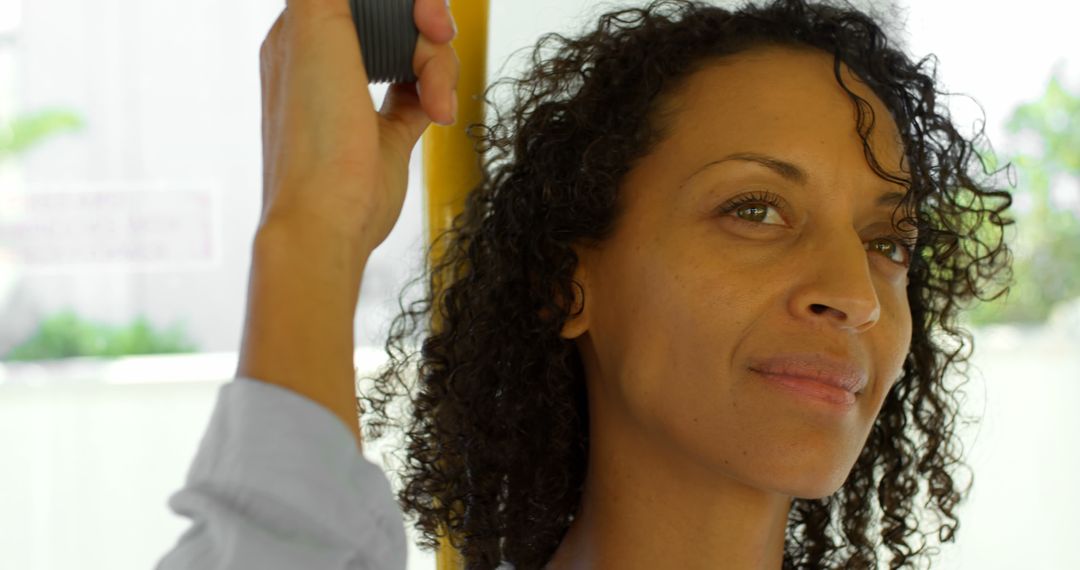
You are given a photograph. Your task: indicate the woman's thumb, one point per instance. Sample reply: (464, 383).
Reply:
(403, 116)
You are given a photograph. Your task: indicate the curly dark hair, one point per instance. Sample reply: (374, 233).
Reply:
(498, 436)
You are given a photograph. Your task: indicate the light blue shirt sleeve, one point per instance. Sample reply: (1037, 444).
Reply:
(277, 482)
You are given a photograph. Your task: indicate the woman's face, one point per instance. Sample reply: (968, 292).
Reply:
(683, 297)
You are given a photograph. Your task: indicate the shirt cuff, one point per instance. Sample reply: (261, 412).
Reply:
(269, 441)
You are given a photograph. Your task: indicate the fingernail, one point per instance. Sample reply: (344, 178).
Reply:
(453, 105)
(453, 24)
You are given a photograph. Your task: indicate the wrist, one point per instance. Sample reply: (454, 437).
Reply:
(334, 259)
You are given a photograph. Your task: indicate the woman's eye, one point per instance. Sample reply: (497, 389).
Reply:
(756, 213)
(754, 207)
(896, 250)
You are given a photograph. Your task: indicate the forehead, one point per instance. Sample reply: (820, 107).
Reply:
(781, 101)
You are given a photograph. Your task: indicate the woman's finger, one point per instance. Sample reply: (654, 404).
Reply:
(434, 20)
(437, 69)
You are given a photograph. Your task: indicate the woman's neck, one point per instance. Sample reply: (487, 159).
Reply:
(646, 506)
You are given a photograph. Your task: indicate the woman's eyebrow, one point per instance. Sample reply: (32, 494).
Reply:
(787, 170)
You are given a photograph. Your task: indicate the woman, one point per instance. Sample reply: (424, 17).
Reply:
(691, 315)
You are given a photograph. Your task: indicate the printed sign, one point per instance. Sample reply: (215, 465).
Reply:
(155, 226)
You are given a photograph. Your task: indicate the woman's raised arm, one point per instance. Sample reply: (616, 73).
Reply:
(277, 482)
(335, 173)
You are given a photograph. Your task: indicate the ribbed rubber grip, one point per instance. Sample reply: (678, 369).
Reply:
(388, 37)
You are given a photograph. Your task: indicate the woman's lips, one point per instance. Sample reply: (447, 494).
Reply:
(812, 389)
(842, 373)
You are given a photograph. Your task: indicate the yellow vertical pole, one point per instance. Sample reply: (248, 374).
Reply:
(450, 165)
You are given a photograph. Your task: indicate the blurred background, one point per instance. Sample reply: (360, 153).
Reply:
(130, 180)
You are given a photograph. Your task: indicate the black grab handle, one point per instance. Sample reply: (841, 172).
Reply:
(388, 37)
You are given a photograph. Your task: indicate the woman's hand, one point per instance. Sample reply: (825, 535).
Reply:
(329, 159)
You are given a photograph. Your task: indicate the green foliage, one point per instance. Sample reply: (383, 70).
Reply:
(1055, 118)
(1046, 247)
(66, 335)
(26, 131)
